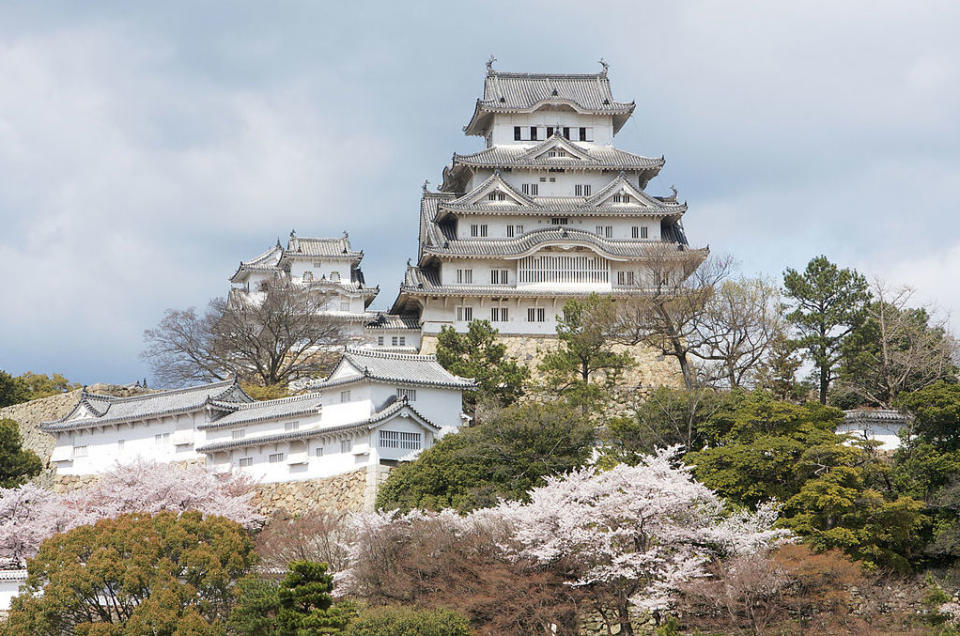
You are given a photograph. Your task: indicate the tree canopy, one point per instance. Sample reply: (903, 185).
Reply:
(139, 573)
(504, 456)
(16, 464)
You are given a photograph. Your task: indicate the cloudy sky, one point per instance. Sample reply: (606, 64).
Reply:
(145, 148)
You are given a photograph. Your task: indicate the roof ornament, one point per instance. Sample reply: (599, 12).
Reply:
(606, 67)
(426, 182)
(673, 189)
(490, 62)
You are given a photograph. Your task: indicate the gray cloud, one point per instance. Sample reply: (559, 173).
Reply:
(144, 150)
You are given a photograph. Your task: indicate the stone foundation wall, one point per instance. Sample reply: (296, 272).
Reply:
(350, 492)
(650, 370)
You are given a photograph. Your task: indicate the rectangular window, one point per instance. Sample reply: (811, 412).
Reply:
(465, 314)
(245, 462)
(635, 232)
(583, 134)
(625, 278)
(559, 220)
(474, 230)
(403, 341)
(536, 314)
(516, 133)
(276, 458)
(518, 229)
(291, 426)
(395, 341)
(344, 396)
(379, 341)
(582, 190)
(346, 445)
(465, 276)
(553, 179)
(410, 394)
(318, 265)
(318, 451)
(498, 314)
(533, 133)
(344, 304)
(161, 438)
(483, 230)
(238, 434)
(608, 231)
(543, 179)
(525, 188)
(644, 233)
(509, 231)
(566, 132)
(79, 451)
(549, 131)
(600, 230)
(400, 439)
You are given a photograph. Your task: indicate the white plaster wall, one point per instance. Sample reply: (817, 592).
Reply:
(497, 225)
(320, 267)
(9, 589)
(440, 406)
(502, 128)
(372, 339)
(886, 434)
(436, 314)
(103, 448)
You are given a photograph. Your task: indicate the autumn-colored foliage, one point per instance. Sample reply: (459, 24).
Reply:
(135, 574)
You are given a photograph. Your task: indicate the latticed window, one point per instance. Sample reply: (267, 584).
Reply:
(246, 462)
(410, 394)
(561, 268)
(400, 439)
(276, 458)
(536, 314)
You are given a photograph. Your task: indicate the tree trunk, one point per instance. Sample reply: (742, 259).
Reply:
(824, 383)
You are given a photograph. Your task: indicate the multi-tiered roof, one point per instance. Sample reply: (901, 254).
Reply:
(465, 195)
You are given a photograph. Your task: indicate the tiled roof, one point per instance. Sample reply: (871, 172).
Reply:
(874, 415)
(403, 368)
(531, 241)
(329, 247)
(298, 405)
(371, 422)
(595, 157)
(111, 410)
(520, 92)
(266, 262)
(395, 321)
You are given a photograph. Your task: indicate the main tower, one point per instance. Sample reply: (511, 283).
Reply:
(549, 210)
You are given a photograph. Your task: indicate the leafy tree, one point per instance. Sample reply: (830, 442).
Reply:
(160, 574)
(477, 354)
(12, 390)
(40, 385)
(897, 348)
(667, 417)
(584, 360)
(505, 456)
(261, 392)
(406, 621)
(16, 464)
(777, 373)
(828, 303)
(270, 342)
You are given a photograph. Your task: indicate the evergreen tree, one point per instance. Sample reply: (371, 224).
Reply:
(477, 354)
(12, 390)
(828, 303)
(305, 604)
(16, 464)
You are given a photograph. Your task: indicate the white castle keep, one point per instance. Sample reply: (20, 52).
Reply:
(549, 210)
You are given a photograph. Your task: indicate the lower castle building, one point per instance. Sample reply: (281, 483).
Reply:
(374, 408)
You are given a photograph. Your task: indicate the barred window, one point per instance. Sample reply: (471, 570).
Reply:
(238, 434)
(246, 461)
(643, 232)
(410, 394)
(344, 396)
(400, 439)
(79, 451)
(291, 426)
(346, 445)
(536, 314)
(276, 458)
(318, 451)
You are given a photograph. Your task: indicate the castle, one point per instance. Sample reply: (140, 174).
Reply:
(549, 210)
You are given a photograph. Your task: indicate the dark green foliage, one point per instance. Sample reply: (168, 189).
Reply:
(300, 604)
(505, 456)
(477, 354)
(12, 390)
(584, 358)
(667, 417)
(407, 621)
(828, 303)
(833, 495)
(16, 464)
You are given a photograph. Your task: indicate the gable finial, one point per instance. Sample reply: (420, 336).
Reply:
(293, 233)
(426, 182)
(606, 67)
(490, 64)
(673, 188)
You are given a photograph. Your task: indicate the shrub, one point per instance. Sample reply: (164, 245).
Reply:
(397, 620)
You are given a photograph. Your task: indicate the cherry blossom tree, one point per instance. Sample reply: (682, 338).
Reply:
(631, 535)
(30, 514)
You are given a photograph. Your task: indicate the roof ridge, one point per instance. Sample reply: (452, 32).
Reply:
(390, 355)
(134, 398)
(284, 400)
(544, 76)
